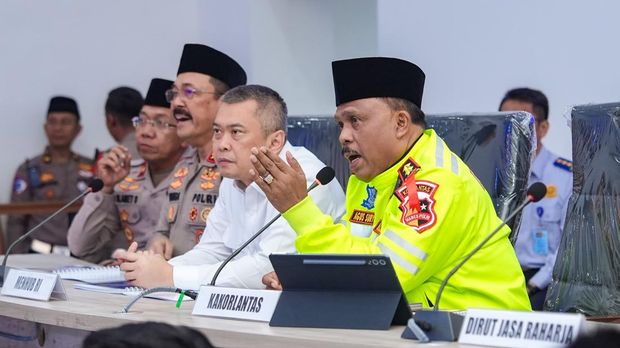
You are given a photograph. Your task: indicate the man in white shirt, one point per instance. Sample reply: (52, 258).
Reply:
(248, 116)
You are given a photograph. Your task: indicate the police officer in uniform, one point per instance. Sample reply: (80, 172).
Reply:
(409, 197)
(204, 75)
(542, 222)
(58, 174)
(127, 208)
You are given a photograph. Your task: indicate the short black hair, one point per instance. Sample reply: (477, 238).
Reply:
(271, 110)
(124, 103)
(147, 334)
(533, 96)
(399, 104)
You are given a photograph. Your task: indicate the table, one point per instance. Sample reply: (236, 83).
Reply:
(86, 311)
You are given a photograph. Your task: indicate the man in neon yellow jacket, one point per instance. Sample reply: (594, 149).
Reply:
(409, 198)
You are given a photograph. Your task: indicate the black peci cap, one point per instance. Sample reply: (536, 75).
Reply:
(63, 104)
(373, 77)
(156, 96)
(209, 61)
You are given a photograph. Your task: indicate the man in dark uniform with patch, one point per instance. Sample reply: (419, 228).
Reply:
(58, 174)
(542, 222)
(127, 208)
(203, 76)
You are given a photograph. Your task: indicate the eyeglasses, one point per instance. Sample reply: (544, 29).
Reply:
(139, 122)
(186, 92)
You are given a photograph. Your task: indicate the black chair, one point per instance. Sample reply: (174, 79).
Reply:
(586, 276)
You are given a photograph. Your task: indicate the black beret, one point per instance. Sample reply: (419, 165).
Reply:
(209, 61)
(156, 96)
(63, 104)
(372, 77)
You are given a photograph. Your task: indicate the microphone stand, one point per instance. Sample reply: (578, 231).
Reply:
(439, 325)
(236, 252)
(27, 234)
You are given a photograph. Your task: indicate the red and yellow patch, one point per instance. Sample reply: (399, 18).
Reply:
(209, 174)
(193, 214)
(86, 167)
(46, 177)
(127, 185)
(409, 167)
(128, 233)
(204, 214)
(141, 171)
(377, 228)
(175, 184)
(207, 185)
(181, 172)
(425, 218)
(211, 159)
(124, 215)
(362, 217)
(198, 235)
(170, 215)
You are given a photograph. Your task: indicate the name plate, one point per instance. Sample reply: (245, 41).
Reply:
(248, 304)
(520, 329)
(33, 285)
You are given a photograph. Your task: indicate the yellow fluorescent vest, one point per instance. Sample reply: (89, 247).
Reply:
(456, 214)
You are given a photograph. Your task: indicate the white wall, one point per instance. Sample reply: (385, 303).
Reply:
(293, 43)
(85, 48)
(81, 49)
(474, 51)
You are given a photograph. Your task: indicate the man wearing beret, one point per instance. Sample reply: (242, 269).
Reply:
(204, 75)
(58, 174)
(127, 208)
(410, 197)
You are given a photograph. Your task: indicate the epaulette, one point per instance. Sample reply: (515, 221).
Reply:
(563, 163)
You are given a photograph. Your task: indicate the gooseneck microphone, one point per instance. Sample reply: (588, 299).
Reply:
(445, 325)
(94, 186)
(535, 193)
(323, 177)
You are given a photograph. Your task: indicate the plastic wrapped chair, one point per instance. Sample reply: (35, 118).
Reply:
(586, 276)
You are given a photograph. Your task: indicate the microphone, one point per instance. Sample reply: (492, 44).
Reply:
(445, 326)
(323, 177)
(95, 185)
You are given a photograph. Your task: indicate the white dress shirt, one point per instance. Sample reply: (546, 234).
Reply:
(548, 214)
(237, 215)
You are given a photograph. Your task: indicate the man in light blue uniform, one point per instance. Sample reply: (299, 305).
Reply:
(542, 222)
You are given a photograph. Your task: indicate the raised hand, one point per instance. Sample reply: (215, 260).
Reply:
(283, 184)
(113, 167)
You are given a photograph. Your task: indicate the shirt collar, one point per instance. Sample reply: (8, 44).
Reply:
(538, 166)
